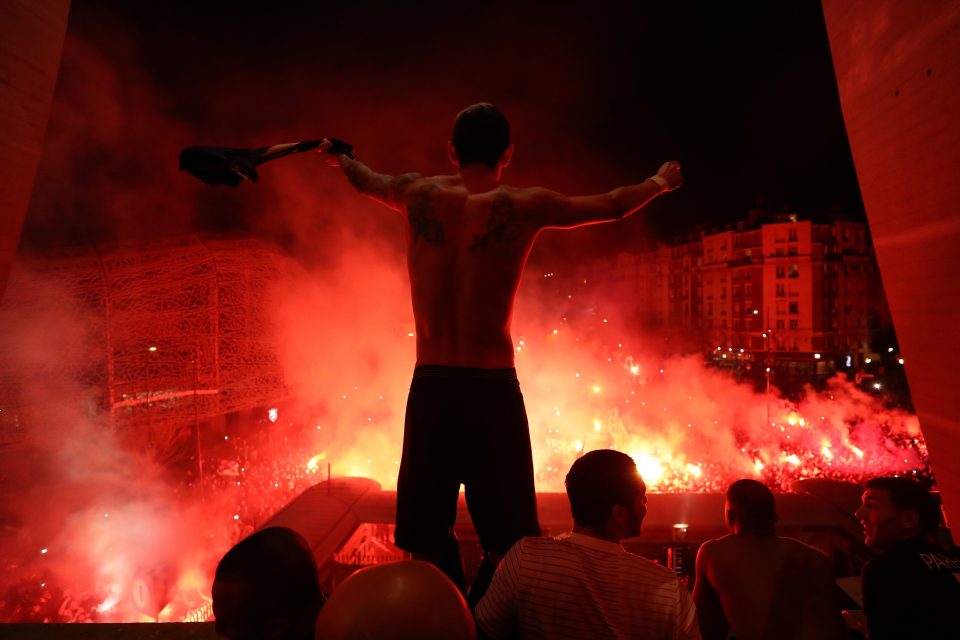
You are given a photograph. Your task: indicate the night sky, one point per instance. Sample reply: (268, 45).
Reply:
(599, 94)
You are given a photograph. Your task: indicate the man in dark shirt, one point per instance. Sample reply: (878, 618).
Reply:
(910, 590)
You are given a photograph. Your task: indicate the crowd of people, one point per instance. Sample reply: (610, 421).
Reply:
(467, 239)
(750, 584)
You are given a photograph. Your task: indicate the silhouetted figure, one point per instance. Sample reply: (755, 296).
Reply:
(408, 600)
(585, 584)
(468, 237)
(266, 588)
(756, 584)
(911, 589)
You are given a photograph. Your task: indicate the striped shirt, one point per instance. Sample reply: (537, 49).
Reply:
(578, 586)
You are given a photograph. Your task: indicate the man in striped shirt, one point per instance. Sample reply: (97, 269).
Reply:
(585, 584)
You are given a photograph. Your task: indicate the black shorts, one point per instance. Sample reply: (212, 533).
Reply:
(465, 426)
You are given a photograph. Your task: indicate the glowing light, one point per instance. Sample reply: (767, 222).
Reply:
(876, 385)
(889, 349)
(868, 360)
(635, 369)
(900, 360)
(694, 470)
(43, 551)
(578, 445)
(793, 459)
(272, 414)
(555, 332)
(596, 388)
(858, 452)
(236, 516)
(826, 452)
(151, 348)
(597, 425)
(410, 334)
(817, 356)
(650, 468)
(756, 311)
(314, 463)
(110, 602)
(849, 361)
(758, 466)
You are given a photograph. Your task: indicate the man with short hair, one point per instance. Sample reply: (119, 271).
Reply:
(911, 589)
(468, 237)
(585, 584)
(266, 588)
(755, 584)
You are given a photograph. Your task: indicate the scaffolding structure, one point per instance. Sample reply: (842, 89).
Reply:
(176, 332)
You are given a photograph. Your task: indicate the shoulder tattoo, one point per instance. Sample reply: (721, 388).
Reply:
(422, 216)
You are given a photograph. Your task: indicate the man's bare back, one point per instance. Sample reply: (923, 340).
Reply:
(765, 586)
(468, 238)
(466, 253)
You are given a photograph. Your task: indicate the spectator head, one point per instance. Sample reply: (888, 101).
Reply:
(394, 601)
(896, 509)
(481, 136)
(607, 495)
(266, 587)
(750, 507)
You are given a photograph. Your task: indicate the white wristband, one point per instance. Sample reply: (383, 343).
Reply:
(660, 182)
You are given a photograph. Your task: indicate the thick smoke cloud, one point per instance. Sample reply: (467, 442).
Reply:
(91, 512)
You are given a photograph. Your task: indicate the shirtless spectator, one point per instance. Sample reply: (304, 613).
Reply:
(755, 584)
(911, 590)
(468, 237)
(585, 584)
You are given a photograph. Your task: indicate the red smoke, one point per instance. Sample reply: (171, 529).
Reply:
(131, 95)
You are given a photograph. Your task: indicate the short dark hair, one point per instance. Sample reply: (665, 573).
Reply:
(753, 503)
(909, 494)
(598, 481)
(481, 134)
(276, 564)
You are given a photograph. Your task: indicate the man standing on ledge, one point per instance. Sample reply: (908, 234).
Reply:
(468, 237)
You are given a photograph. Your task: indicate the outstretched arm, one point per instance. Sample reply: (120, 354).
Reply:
(385, 189)
(549, 209)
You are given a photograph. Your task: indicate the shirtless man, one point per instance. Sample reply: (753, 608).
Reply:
(468, 237)
(756, 584)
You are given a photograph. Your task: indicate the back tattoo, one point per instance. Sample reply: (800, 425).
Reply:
(421, 215)
(502, 225)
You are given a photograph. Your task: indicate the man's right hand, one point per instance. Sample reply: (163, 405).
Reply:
(670, 171)
(332, 149)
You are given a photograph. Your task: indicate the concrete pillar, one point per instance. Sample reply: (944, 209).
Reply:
(897, 69)
(31, 41)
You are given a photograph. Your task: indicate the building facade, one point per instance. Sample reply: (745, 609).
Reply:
(789, 294)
